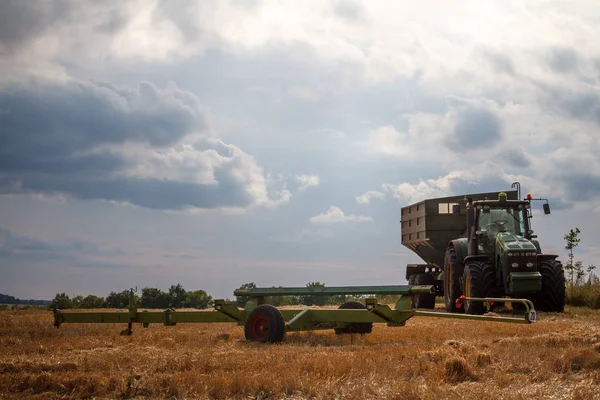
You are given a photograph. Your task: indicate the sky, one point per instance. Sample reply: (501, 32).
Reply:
(214, 143)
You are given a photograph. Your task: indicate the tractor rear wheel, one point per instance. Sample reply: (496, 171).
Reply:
(425, 300)
(552, 296)
(453, 272)
(354, 327)
(265, 324)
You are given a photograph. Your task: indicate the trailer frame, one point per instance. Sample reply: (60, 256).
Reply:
(293, 320)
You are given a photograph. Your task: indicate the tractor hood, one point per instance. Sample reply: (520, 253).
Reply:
(511, 242)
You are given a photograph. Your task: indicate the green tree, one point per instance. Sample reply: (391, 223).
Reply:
(198, 299)
(155, 298)
(92, 301)
(314, 299)
(337, 299)
(573, 269)
(118, 300)
(61, 301)
(242, 300)
(77, 301)
(178, 296)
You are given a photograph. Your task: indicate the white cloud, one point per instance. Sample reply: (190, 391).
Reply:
(334, 216)
(306, 181)
(366, 198)
(441, 45)
(456, 182)
(388, 140)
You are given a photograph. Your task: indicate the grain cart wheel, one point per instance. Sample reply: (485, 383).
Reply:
(453, 272)
(425, 300)
(552, 296)
(355, 327)
(474, 287)
(265, 324)
(413, 297)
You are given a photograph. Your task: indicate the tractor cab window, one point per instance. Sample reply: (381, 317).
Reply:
(501, 220)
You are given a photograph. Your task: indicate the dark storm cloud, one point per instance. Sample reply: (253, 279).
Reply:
(562, 59)
(583, 105)
(150, 193)
(517, 157)
(15, 247)
(500, 63)
(22, 20)
(350, 11)
(576, 101)
(49, 135)
(476, 128)
(582, 186)
(53, 118)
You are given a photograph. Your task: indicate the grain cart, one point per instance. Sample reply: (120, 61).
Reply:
(480, 245)
(265, 323)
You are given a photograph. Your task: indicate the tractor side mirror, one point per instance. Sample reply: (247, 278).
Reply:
(486, 209)
(546, 208)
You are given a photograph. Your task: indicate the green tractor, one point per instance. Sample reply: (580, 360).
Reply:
(480, 245)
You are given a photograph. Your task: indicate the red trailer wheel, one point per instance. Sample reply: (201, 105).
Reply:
(265, 324)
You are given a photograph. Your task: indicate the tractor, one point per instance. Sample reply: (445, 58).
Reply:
(480, 246)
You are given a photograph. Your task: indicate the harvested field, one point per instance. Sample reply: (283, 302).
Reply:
(556, 358)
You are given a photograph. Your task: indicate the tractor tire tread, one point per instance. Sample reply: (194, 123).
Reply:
(552, 296)
(473, 272)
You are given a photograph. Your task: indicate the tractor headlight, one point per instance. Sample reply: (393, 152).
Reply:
(529, 265)
(515, 265)
(510, 254)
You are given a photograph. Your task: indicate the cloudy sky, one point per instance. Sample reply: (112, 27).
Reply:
(146, 143)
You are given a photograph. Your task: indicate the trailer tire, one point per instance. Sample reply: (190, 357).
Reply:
(413, 297)
(265, 324)
(425, 300)
(453, 272)
(474, 287)
(552, 296)
(355, 327)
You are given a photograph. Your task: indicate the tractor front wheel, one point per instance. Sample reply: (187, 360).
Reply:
(265, 324)
(479, 281)
(552, 296)
(474, 287)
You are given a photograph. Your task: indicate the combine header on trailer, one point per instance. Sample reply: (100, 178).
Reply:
(265, 323)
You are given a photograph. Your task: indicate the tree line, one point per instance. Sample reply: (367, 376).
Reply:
(175, 297)
(6, 299)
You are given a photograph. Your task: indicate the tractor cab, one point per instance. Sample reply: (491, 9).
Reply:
(495, 217)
